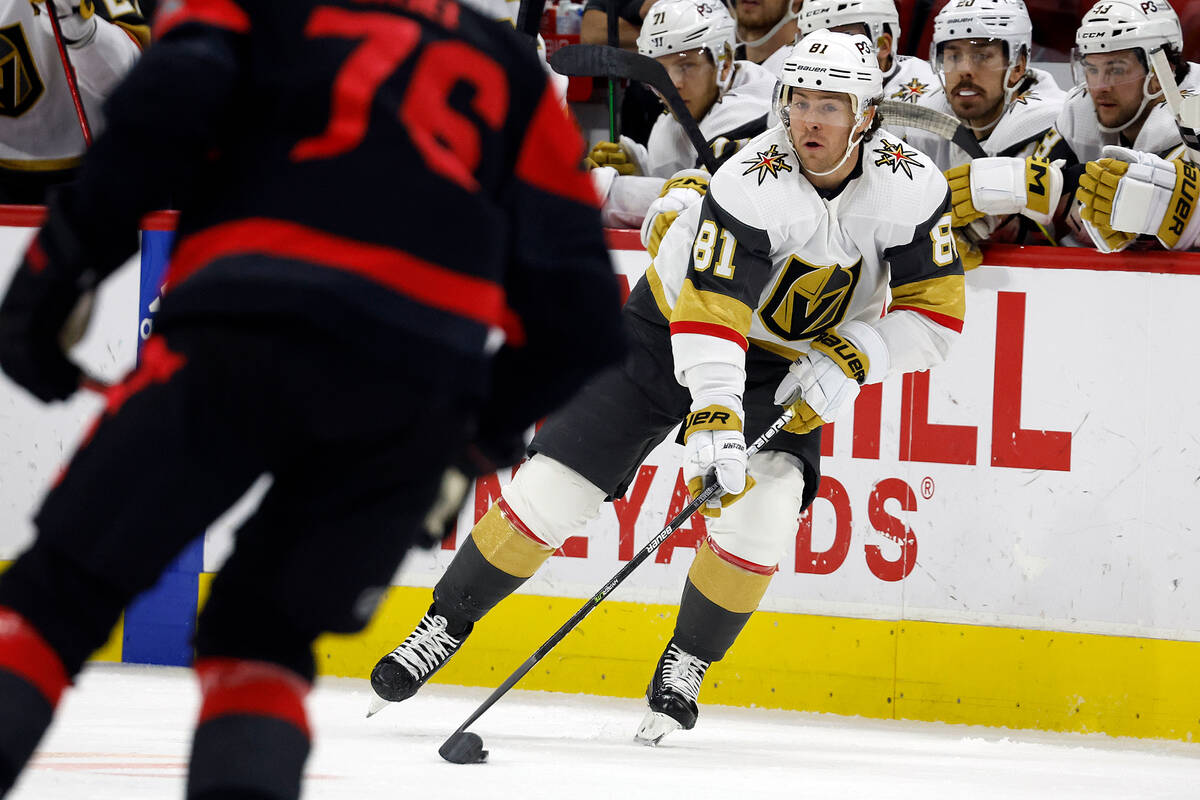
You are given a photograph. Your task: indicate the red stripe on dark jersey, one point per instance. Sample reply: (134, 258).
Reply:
(551, 154)
(26, 654)
(741, 563)
(428, 283)
(945, 320)
(255, 688)
(217, 13)
(710, 329)
(36, 256)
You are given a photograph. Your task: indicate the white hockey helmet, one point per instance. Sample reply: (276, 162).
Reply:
(1109, 27)
(676, 26)
(817, 14)
(1005, 21)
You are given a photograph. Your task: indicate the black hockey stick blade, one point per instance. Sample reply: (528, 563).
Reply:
(933, 121)
(601, 61)
(460, 747)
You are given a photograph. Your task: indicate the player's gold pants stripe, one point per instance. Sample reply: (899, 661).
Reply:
(732, 588)
(945, 295)
(696, 305)
(660, 295)
(506, 548)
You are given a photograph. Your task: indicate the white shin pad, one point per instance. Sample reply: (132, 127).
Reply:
(554, 501)
(762, 525)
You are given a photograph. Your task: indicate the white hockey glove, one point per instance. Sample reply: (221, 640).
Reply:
(76, 19)
(715, 449)
(822, 383)
(680, 191)
(1129, 192)
(1031, 187)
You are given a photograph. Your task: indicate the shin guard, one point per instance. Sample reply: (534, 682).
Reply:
(492, 563)
(32, 680)
(252, 738)
(718, 599)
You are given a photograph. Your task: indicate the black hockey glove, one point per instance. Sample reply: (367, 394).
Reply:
(477, 459)
(33, 316)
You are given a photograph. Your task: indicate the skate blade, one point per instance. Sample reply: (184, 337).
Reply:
(654, 727)
(377, 704)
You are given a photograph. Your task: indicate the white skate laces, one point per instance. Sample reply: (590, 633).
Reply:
(426, 648)
(683, 672)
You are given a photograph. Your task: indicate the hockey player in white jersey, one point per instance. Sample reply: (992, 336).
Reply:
(773, 291)
(905, 78)
(41, 142)
(980, 53)
(766, 30)
(730, 100)
(1117, 110)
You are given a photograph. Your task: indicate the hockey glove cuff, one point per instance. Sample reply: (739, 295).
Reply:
(678, 193)
(823, 382)
(715, 449)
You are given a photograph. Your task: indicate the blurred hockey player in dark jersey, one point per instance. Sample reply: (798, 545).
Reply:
(730, 100)
(1116, 112)
(770, 292)
(323, 324)
(980, 52)
(905, 78)
(41, 142)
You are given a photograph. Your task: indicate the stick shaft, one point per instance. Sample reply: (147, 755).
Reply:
(72, 83)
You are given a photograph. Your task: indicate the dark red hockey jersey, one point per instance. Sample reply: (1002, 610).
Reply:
(398, 171)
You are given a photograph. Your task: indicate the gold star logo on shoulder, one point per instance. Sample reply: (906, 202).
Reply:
(910, 92)
(772, 162)
(1024, 97)
(896, 157)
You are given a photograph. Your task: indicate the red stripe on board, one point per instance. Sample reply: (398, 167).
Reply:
(256, 688)
(1153, 261)
(945, 320)
(623, 239)
(26, 654)
(710, 329)
(511, 517)
(428, 283)
(550, 155)
(217, 13)
(740, 563)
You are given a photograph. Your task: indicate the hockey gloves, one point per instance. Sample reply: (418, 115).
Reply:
(715, 449)
(1130, 192)
(683, 189)
(36, 327)
(615, 155)
(482, 457)
(1031, 187)
(76, 20)
(822, 382)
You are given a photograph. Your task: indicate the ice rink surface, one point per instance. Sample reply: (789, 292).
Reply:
(123, 734)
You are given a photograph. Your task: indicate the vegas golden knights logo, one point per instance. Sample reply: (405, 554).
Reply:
(808, 299)
(20, 84)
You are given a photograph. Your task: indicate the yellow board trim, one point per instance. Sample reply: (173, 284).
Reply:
(943, 295)
(1008, 677)
(41, 164)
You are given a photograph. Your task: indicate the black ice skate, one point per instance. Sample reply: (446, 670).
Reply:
(400, 673)
(672, 695)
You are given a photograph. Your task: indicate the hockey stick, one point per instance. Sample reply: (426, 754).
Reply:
(1185, 109)
(599, 61)
(529, 17)
(72, 84)
(932, 121)
(467, 748)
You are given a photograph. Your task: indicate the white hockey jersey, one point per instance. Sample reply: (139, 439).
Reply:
(1076, 134)
(767, 261)
(39, 129)
(909, 80)
(741, 113)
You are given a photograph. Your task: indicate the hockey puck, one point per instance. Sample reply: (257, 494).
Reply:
(463, 747)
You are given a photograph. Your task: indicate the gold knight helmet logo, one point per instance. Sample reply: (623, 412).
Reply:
(20, 84)
(807, 299)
